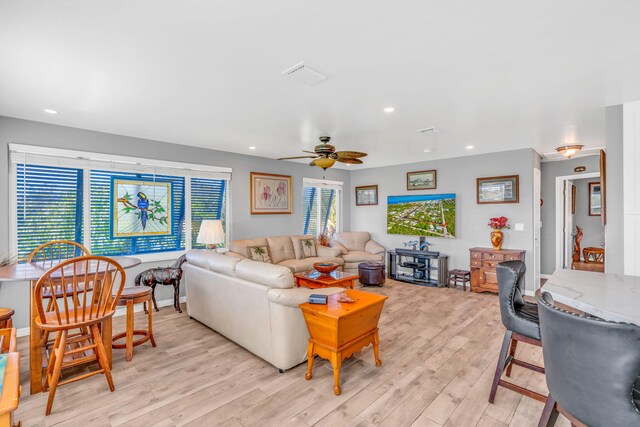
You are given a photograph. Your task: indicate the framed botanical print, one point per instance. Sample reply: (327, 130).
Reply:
(367, 195)
(595, 199)
(498, 189)
(270, 194)
(422, 180)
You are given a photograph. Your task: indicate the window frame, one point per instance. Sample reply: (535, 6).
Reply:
(327, 184)
(88, 161)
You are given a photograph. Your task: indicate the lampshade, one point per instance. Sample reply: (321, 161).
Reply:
(211, 232)
(569, 150)
(324, 163)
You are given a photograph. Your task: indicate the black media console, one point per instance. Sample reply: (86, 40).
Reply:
(414, 266)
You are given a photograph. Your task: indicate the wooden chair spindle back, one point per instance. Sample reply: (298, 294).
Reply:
(51, 252)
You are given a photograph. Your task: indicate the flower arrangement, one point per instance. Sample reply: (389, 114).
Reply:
(499, 223)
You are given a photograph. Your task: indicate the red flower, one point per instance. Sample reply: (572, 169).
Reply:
(499, 223)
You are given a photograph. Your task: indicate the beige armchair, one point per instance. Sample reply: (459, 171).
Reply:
(357, 247)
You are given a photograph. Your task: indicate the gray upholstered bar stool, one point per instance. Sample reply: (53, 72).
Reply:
(592, 368)
(520, 318)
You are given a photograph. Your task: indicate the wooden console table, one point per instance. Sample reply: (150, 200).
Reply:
(338, 329)
(483, 266)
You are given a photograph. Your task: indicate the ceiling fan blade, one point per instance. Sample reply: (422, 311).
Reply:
(350, 154)
(349, 160)
(310, 152)
(297, 157)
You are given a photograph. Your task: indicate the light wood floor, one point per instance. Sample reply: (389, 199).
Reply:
(438, 348)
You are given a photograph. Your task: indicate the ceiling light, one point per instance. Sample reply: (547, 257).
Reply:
(469, 147)
(389, 110)
(427, 150)
(252, 148)
(569, 150)
(50, 111)
(324, 162)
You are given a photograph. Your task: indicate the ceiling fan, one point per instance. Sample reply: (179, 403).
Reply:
(325, 155)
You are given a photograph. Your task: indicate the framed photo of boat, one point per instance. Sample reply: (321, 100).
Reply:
(422, 180)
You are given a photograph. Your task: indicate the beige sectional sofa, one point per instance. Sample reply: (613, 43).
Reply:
(254, 304)
(286, 251)
(356, 247)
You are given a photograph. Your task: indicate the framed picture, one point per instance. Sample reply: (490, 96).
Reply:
(140, 207)
(367, 195)
(270, 194)
(498, 189)
(595, 199)
(573, 199)
(422, 180)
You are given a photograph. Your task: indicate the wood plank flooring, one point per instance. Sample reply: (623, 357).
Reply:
(439, 348)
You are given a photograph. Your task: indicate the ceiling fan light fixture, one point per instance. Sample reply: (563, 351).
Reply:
(324, 163)
(569, 151)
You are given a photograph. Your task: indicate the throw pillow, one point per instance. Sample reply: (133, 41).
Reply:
(259, 253)
(308, 248)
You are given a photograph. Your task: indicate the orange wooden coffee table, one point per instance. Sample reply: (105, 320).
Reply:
(338, 329)
(314, 279)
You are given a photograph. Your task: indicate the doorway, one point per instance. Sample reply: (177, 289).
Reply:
(580, 235)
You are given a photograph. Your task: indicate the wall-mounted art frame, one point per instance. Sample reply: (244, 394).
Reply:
(422, 180)
(367, 195)
(270, 193)
(498, 189)
(595, 199)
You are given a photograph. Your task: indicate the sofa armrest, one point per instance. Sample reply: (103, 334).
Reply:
(336, 245)
(293, 297)
(373, 247)
(327, 252)
(235, 255)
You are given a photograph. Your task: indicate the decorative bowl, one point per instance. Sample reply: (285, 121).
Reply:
(325, 267)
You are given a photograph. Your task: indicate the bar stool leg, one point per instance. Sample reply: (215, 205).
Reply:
(149, 317)
(129, 342)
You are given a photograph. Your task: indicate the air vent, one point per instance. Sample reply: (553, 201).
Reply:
(427, 130)
(305, 75)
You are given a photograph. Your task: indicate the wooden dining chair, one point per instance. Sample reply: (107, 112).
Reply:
(75, 310)
(46, 256)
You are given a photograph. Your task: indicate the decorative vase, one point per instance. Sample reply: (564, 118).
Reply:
(496, 239)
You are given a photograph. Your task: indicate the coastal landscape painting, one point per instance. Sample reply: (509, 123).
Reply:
(430, 215)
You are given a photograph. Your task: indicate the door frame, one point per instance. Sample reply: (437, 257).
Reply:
(560, 211)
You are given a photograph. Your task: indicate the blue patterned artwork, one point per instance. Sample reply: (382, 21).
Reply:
(140, 207)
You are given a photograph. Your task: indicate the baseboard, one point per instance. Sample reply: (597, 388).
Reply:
(545, 276)
(24, 332)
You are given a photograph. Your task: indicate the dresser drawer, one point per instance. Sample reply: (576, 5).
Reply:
(476, 263)
(489, 276)
(490, 264)
(493, 256)
(476, 255)
(511, 257)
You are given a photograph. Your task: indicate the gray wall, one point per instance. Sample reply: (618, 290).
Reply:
(591, 225)
(243, 224)
(456, 175)
(549, 172)
(614, 258)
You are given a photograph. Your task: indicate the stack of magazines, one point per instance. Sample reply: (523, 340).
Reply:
(317, 299)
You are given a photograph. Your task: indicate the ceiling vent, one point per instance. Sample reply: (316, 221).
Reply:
(305, 75)
(428, 130)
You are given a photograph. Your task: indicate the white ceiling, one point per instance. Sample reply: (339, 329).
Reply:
(497, 75)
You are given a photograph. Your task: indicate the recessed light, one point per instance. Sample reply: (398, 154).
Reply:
(469, 147)
(252, 148)
(389, 110)
(50, 111)
(427, 150)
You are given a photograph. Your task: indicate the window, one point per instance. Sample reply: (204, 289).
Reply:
(320, 205)
(54, 201)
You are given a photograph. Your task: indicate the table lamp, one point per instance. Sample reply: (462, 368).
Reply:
(211, 233)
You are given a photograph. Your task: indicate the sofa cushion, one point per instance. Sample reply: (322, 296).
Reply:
(259, 253)
(281, 248)
(306, 264)
(240, 246)
(273, 276)
(213, 261)
(308, 248)
(297, 244)
(353, 240)
(359, 256)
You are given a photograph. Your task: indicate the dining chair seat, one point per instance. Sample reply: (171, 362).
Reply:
(60, 293)
(56, 321)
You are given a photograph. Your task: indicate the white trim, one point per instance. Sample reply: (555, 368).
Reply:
(90, 157)
(545, 276)
(559, 212)
(188, 244)
(86, 208)
(121, 311)
(13, 210)
(322, 183)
